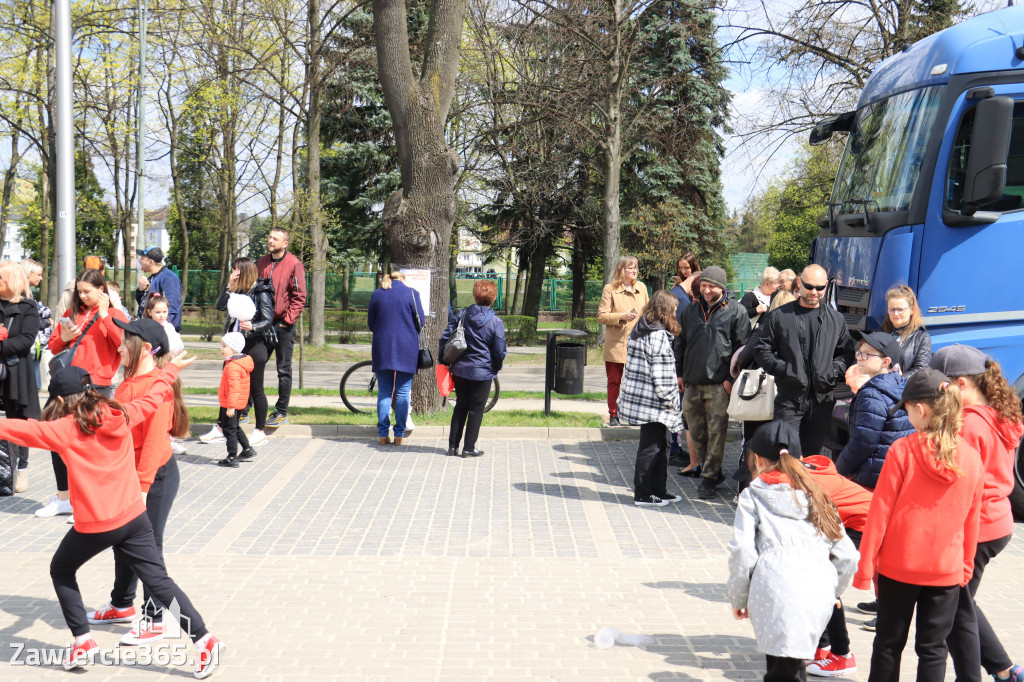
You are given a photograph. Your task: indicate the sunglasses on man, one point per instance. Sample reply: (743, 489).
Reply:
(820, 287)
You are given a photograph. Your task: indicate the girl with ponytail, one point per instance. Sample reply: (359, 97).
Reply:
(922, 529)
(992, 426)
(789, 559)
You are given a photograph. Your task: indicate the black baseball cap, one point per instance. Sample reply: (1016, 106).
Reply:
(69, 381)
(925, 384)
(960, 361)
(153, 253)
(881, 341)
(150, 331)
(770, 440)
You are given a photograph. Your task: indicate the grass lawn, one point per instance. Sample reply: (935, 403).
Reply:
(330, 415)
(598, 396)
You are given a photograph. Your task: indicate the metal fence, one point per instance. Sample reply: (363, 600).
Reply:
(556, 294)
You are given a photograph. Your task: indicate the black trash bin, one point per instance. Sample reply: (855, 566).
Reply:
(570, 359)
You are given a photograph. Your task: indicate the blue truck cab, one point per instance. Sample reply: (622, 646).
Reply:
(930, 192)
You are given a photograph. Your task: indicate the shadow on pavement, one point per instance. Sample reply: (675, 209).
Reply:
(715, 592)
(736, 658)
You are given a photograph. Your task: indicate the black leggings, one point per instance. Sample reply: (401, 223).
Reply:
(897, 601)
(469, 411)
(255, 348)
(158, 507)
(781, 669)
(134, 545)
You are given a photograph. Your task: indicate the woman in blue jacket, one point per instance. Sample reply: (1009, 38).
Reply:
(395, 317)
(473, 371)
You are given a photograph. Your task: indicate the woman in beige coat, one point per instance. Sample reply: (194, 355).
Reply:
(621, 303)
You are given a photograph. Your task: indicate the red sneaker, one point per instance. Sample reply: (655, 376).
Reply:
(833, 666)
(821, 652)
(78, 655)
(111, 614)
(208, 657)
(144, 632)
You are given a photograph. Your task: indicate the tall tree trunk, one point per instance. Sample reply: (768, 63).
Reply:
(9, 177)
(346, 287)
(418, 218)
(521, 273)
(535, 282)
(317, 235)
(579, 280)
(508, 278)
(613, 144)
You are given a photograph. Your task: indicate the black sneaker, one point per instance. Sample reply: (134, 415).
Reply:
(869, 625)
(706, 491)
(278, 418)
(243, 417)
(868, 607)
(670, 498)
(229, 462)
(649, 501)
(614, 422)
(679, 458)
(247, 454)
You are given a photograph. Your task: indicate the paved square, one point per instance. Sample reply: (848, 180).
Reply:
(342, 560)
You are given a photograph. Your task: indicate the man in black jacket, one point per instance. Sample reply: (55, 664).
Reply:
(710, 332)
(807, 348)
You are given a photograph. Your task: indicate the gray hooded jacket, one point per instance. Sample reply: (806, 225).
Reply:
(783, 571)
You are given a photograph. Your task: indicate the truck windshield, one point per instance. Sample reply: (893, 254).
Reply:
(883, 156)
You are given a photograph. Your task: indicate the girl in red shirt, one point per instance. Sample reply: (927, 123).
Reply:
(144, 351)
(922, 529)
(992, 426)
(89, 322)
(92, 435)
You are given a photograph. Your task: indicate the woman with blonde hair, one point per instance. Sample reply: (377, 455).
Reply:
(787, 281)
(19, 392)
(395, 317)
(758, 300)
(621, 302)
(903, 320)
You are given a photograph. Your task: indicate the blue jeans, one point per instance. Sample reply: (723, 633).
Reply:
(398, 385)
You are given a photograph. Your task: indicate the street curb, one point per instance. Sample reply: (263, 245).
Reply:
(369, 432)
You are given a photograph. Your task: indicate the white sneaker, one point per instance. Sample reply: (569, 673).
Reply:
(54, 507)
(257, 438)
(178, 447)
(215, 435)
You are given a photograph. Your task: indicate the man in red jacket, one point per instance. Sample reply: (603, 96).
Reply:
(289, 278)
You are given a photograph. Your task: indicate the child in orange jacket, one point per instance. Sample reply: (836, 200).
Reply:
(992, 426)
(922, 529)
(92, 435)
(233, 395)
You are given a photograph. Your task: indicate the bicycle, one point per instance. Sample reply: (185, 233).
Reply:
(358, 389)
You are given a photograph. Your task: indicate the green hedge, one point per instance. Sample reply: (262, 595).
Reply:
(589, 325)
(520, 330)
(346, 324)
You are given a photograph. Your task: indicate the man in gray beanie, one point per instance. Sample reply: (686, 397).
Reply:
(711, 330)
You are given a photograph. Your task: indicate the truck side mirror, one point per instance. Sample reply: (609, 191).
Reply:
(990, 143)
(823, 130)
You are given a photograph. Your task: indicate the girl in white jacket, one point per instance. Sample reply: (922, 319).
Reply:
(789, 559)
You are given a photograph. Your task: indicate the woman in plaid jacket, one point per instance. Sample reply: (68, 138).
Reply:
(650, 398)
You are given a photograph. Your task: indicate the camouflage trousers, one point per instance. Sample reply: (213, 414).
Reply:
(706, 410)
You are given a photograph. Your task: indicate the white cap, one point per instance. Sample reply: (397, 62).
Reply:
(234, 340)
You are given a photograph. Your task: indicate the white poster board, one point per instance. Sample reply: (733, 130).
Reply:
(420, 281)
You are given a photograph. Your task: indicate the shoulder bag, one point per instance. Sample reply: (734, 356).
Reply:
(63, 359)
(753, 397)
(456, 343)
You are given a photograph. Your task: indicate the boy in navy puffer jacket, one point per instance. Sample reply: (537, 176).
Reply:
(872, 430)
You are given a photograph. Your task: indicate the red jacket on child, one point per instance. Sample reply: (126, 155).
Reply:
(150, 436)
(233, 392)
(922, 527)
(851, 499)
(996, 441)
(102, 479)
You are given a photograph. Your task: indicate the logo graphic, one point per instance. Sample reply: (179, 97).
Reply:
(169, 617)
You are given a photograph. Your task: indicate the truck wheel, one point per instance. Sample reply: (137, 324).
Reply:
(1017, 496)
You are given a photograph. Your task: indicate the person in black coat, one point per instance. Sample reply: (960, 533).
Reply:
(258, 332)
(807, 348)
(19, 394)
